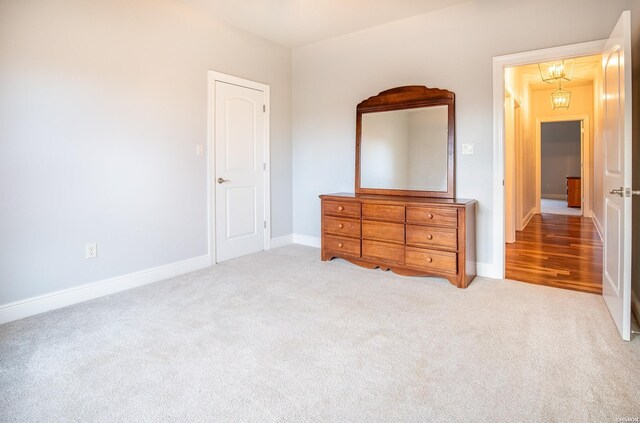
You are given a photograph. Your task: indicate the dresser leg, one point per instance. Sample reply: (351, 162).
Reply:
(455, 281)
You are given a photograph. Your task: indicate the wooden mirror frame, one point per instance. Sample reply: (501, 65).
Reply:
(409, 97)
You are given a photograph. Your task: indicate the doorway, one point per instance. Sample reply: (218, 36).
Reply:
(238, 171)
(561, 167)
(548, 241)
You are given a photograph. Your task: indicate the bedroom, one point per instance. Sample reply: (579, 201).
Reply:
(103, 105)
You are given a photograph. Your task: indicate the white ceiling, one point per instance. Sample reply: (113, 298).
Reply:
(296, 22)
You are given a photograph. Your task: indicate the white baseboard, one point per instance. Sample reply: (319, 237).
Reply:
(598, 226)
(554, 196)
(66, 297)
(635, 305)
(310, 241)
(528, 218)
(488, 270)
(281, 241)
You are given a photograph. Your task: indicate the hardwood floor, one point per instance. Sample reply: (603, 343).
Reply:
(559, 251)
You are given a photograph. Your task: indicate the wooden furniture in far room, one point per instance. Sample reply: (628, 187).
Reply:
(574, 191)
(404, 216)
(410, 236)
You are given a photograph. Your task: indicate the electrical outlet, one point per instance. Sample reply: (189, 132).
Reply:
(199, 149)
(91, 250)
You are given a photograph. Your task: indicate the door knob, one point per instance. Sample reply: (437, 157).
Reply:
(222, 181)
(620, 192)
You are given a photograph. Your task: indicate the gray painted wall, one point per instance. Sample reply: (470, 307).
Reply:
(560, 156)
(101, 105)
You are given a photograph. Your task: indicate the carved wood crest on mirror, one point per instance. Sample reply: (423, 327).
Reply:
(405, 140)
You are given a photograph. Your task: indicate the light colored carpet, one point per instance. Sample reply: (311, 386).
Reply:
(282, 336)
(558, 207)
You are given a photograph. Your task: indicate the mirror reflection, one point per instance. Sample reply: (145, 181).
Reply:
(405, 149)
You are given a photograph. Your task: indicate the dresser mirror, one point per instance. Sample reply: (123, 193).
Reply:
(405, 143)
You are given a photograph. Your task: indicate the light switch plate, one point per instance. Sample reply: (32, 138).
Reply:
(199, 149)
(467, 149)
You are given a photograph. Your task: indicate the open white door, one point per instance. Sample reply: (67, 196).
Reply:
(616, 132)
(240, 166)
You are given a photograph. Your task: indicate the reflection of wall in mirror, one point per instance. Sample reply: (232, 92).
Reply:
(428, 156)
(384, 154)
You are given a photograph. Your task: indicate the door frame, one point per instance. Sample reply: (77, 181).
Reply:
(212, 77)
(513, 180)
(586, 169)
(499, 64)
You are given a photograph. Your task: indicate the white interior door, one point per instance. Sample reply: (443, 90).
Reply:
(616, 283)
(239, 136)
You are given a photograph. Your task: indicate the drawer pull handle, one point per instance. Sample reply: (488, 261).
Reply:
(429, 236)
(340, 208)
(429, 259)
(430, 216)
(340, 225)
(340, 246)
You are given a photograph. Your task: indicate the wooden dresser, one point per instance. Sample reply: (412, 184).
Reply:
(412, 236)
(574, 191)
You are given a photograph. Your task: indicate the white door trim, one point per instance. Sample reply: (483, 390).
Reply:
(499, 65)
(512, 180)
(586, 170)
(212, 77)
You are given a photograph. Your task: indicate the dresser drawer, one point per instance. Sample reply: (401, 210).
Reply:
(349, 246)
(432, 236)
(383, 251)
(383, 231)
(432, 216)
(437, 261)
(341, 208)
(383, 212)
(341, 226)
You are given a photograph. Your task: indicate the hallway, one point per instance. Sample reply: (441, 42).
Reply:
(560, 251)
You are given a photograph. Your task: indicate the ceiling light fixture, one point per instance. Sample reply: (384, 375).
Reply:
(560, 98)
(558, 71)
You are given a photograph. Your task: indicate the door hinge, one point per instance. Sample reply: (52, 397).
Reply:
(264, 166)
(264, 108)
(265, 224)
